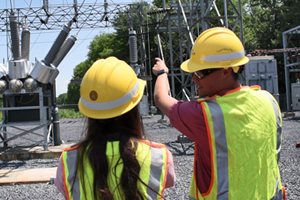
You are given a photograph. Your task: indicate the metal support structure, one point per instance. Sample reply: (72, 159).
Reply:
(291, 59)
(178, 26)
(97, 15)
(49, 17)
(55, 128)
(36, 112)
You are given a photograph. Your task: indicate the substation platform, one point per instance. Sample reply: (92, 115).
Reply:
(23, 176)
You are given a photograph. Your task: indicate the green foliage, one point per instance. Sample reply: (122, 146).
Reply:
(121, 50)
(73, 94)
(70, 113)
(80, 69)
(290, 14)
(101, 47)
(159, 3)
(264, 21)
(61, 99)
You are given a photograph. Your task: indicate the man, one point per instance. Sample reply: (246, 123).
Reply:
(236, 129)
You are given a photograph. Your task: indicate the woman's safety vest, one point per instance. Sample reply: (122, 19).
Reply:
(152, 157)
(244, 129)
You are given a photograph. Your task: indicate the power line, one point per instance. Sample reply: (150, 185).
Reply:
(94, 15)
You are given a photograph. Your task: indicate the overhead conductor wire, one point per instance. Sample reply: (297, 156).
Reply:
(82, 27)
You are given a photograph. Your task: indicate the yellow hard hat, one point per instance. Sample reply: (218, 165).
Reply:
(109, 89)
(216, 48)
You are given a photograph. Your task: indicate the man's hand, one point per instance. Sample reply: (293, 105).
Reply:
(159, 65)
(161, 90)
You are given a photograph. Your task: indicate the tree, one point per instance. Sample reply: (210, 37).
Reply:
(73, 93)
(264, 23)
(108, 44)
(102, 46)
(61, 98)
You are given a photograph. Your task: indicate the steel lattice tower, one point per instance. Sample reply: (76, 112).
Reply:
(179, 25)
(176, 28)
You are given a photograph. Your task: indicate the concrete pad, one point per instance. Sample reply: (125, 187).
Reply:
(36, 152)
(17, 176)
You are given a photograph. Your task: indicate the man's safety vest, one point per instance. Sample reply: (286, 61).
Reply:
(244, 129)
(152, 157)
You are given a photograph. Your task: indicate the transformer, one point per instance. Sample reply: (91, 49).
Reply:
(295, 87)
(28, 89)
(262, 71)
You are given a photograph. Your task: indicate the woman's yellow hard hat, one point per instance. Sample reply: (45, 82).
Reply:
(109, 89)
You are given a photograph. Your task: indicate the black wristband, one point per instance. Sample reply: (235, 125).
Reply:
(160, 72)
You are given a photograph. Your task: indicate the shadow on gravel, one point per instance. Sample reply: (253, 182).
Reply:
(296, 119)
(12, 165)
(20, 149)
(156, 125)
(181, 149)
(5, 174)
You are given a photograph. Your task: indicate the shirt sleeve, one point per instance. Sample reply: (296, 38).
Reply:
(187, 117)
(171, 176)
(59, 182)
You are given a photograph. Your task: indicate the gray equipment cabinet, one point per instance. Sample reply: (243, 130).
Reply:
(295, 87)
(23, 114)
(262, 71)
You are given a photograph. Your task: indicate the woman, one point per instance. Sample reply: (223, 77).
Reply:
(114, 161)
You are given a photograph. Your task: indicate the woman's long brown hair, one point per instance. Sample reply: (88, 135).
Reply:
(126, 128)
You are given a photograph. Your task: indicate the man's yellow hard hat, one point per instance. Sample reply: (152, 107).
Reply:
(109, 89)
(216, 48)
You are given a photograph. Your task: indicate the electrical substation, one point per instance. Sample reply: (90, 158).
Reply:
(28, 88)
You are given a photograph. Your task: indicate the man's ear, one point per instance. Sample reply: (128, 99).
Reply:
(227, 72)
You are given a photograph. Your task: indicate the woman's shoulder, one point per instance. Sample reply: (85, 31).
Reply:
(72, 147)
(152, 143)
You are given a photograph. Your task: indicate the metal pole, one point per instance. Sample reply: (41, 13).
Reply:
(55, 118)
(56, 128)
(287, 74)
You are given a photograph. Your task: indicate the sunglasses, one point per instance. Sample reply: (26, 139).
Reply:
(202, 73)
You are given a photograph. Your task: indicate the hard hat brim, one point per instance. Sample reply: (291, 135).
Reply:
(115, 112)
(190, 67)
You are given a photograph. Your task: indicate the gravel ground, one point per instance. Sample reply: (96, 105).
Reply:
(160, 132)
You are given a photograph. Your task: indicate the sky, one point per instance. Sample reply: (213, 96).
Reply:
(42, 41)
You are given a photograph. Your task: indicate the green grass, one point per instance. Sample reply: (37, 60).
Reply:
(69, 113)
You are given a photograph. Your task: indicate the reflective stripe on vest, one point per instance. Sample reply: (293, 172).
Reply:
(152, 173)
(278, 120)
(221, 148)
(68, 157)
(221, 187)
(156, 171)
(278, 193)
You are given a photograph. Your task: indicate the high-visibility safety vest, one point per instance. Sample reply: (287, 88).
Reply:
(244, 129)
(152, 157)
